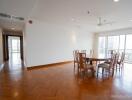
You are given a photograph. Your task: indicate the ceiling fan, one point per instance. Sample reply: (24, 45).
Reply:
(102, 22)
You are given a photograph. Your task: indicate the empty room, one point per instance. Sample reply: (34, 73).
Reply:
(65, 50)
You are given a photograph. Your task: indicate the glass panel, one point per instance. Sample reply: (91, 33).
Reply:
(14, 45)
(101, 47)
(14, 49)
(122, 45)
(129, 42)
(113, 43)
(116, 43)
(122, 42)
(128, 56)
(128, 53)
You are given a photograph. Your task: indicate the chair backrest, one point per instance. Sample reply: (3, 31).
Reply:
(83, 51)
(111, 53)
(117, 57)
(122, 57)
(82, 60)
(113, 60)
(91, 53)
(75, 55)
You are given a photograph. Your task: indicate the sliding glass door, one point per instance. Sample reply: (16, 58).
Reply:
(128, 50)
(102, 47)
(14, 49)
(113, 43)
(118, 43)
(122, 43)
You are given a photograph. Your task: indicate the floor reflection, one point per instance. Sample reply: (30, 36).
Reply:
(14, 60)
(14, 64)
(52, 83)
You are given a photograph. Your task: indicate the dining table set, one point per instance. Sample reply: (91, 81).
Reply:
(105, 66)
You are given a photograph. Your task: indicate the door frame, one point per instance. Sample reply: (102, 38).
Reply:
(5, 35)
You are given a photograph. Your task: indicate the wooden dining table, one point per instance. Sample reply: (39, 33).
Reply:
(96, 59)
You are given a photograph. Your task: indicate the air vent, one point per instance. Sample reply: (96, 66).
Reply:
(5, 15)
(11, 17)
(18, 18)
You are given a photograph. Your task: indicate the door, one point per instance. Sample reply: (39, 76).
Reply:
(12, 45)
(128, 49)
(14, 49)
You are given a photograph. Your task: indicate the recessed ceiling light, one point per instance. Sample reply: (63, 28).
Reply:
(116, 0)
(13, 28)
(73, 19)
(88, 12)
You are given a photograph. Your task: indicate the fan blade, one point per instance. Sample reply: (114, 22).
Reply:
(110, 23)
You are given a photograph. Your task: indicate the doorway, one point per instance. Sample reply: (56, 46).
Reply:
(13, 48)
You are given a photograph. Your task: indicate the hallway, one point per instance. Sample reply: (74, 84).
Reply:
(61, 83)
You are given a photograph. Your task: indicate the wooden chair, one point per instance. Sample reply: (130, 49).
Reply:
(83, 66)
(120, 62)
(83, 51)
(91, 53)
(117, 58)
(75, 55)
(108, 68)
(111, 54)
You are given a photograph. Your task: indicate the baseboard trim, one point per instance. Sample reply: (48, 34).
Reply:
(48, 65)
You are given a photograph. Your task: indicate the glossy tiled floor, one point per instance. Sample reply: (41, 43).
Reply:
(61, 83)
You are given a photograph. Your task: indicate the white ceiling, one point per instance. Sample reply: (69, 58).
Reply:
(12, 24)
(73, 12)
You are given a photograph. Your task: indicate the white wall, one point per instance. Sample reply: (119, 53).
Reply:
(1, 46)
(95, 44)
(49, 43)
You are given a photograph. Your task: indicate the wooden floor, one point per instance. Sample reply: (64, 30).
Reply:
(62, 83)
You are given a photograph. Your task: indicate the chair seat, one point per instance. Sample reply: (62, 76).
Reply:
(103, 65)
(89, 66)
(107, 62)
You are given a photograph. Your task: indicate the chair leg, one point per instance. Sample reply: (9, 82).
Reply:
(102, 72)
(74, 65)
(109, 72)
(78, 69)
(122, 66)
(97, 71)
(93, 72)
(116, 67)
(119, 66)
(112, 72)
(96, 63)
(83, 73)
